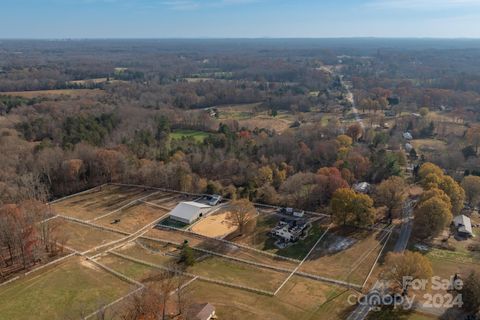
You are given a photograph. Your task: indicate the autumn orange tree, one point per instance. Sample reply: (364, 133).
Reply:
(351, 208)
(391, 193)
(432, 216)
(431, 176)
(399, 266)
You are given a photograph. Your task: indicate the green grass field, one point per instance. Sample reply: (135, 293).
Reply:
(61, 292)
(198, 136)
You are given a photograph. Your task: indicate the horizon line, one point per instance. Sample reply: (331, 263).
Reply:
(241, 38)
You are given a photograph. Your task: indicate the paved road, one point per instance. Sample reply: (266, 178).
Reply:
(362, 310)
(351, 99)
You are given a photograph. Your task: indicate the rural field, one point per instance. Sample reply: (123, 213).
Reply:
(346, 254)
(68, 290)
(113, 226)
(99, 201)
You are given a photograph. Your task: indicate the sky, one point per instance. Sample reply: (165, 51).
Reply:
(59, 19)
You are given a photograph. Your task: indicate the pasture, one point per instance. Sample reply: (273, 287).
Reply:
(219, 247)
(99, 201)
(299, 299)
(82, 237)
(212, 267)
(133, 218)
(225, 268)
(64, 291)
(345, 254)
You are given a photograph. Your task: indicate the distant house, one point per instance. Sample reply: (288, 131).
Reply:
(189, 211)
(204, 311)
(362, 187)
(293, 212)
(389, 113)
(407, 136)
(463, 225)
(408, 147)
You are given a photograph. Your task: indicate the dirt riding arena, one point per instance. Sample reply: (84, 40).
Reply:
(215, 226)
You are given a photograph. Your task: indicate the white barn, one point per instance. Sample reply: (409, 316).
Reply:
(189, 211)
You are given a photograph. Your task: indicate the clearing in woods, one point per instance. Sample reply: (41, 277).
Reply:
(198, 136)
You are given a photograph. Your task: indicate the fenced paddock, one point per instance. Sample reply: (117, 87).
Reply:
(346, 254)
(221, 247)
(208, 266)
(132, 218)
(242, 276)
(66, 291)
(99, 201)
(82, 237)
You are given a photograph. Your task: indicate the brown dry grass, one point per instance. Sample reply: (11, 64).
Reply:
(99, 201)
(82, 237)
(351, 264)
(133, 218)
(220, 247)
(299, 299)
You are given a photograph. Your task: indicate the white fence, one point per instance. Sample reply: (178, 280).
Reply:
(231, 243)
(223, 283)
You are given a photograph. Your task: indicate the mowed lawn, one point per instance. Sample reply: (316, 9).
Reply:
(64, 291)
(198, 136)
(261, 239)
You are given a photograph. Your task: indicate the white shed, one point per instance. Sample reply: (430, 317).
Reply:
(407, 136)
(463, 225)
(189, 211)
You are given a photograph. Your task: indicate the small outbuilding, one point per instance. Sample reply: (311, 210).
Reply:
(204, 311)
(362, 187)
(189, 211)
(407, 136)
(463, 225)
